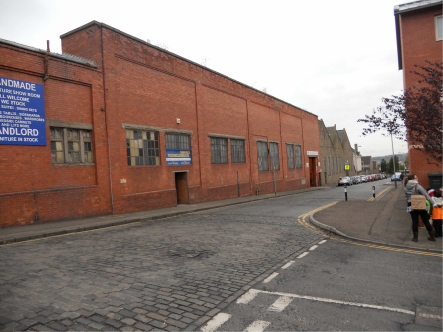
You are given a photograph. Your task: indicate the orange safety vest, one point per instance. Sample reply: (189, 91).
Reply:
(437, 213)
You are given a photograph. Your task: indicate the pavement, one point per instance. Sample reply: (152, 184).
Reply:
(45, 229)
(381, 221)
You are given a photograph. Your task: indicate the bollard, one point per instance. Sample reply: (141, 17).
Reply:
(346, 194)
(373, 192)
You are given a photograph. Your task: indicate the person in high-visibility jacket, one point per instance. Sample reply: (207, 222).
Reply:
(437, 212)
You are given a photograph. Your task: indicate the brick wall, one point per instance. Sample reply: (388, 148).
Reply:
(418, 45)
(140, 85)
(32, 188)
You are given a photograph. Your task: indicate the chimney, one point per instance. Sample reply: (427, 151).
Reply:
(356, 149)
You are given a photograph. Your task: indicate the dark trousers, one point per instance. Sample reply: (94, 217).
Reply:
(437, 226)
(424, 216)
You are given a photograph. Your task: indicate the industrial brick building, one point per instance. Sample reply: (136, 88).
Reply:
(131, 127)
(336, 151)
(419, 27)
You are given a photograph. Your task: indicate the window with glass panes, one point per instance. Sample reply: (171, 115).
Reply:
(298, 157)
(238, 154)
(262, 152)
(275, 160)
(219, 150)
(142, 148)
(73, 146)
(176, 141)
(290, 153)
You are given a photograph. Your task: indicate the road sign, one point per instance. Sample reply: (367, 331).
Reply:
(347, 167)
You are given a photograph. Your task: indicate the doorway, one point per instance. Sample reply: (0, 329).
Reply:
(312, 173)
(181, 187)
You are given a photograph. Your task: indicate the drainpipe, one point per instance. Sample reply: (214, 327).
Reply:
(106, 121)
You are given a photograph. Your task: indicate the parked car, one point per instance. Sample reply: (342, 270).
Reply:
(363, 179)
(396, 176)
(345, 180)
(356, 179)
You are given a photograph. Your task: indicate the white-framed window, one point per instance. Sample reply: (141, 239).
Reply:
(439, 27)
(71, 146)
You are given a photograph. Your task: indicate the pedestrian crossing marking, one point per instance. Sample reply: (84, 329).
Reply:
(288, 264)
(216, 322)
(280, 305)
(257, 326)
(325, 300)
(248, 296)
(272, 276)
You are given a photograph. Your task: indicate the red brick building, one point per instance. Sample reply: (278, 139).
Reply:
(419, 38)
(131, 127)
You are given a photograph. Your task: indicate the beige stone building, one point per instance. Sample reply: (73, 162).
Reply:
(336, 152)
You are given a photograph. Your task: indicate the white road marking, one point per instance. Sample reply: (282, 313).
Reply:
(313, 247)
(272, 276)
(430, 316)
(247, 297)
(355, 304)
(216, 322)
(321, 242)
(280, 305)
(257, 326)
(288, 264)
(303, 255)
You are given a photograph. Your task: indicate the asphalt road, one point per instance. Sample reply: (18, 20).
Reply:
(181, 272)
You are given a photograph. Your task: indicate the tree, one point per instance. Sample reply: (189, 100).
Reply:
(390, 166)
(383, 165)
(406, 162)
(414, 116)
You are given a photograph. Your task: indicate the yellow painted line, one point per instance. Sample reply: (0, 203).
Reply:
(380, 193)
(302, 220)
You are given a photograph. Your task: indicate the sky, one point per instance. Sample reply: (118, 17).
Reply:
(335, 59)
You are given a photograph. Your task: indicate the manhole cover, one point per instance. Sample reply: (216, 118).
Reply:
(189, 253)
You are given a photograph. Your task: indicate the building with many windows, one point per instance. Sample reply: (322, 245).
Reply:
(127, 126)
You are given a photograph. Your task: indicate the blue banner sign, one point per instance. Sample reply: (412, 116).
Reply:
(22, 113)
(178, 157)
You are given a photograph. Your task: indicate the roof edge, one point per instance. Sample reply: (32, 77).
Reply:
(416, 5)
(177, 56)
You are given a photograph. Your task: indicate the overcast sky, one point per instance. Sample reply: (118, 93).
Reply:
(335, 59)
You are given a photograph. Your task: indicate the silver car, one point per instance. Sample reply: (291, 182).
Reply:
(345, 180)
(363, 178)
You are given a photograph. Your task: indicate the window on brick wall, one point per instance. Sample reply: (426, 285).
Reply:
(290, 153)
(275, 159)
(71, 146)
(439, 27)
(238, 154)
(298, 157)
(219, 150)
(262, 152)
(142, 148)
(176, 141)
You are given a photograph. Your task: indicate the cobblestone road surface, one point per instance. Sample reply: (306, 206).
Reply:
(170, 274)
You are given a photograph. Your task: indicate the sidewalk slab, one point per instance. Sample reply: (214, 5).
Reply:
(53, 228)
(384, 221)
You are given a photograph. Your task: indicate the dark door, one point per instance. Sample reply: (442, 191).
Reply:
(312, 172)
(181, 187)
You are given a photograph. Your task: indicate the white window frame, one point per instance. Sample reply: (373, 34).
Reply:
(436, 27)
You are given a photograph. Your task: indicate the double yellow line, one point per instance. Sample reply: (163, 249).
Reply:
(302, 220)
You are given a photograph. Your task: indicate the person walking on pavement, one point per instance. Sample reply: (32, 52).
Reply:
(412, 187)
(437, 213)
